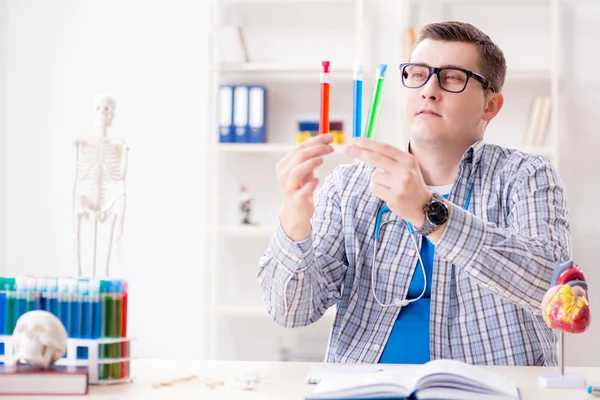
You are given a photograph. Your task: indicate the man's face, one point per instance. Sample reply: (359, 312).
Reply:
(437, 116)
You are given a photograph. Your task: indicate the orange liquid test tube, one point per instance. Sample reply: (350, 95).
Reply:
(324, 115)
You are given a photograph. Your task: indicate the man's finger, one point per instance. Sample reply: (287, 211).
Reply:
(310, 152)
(379, 147)
(309, 188)
(370, 157)
(322, 139)
(299, 173)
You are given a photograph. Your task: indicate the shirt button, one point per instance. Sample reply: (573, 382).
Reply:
(411, 253)
(295, 259)
(397, 302)
(451, 257)
(376, 347)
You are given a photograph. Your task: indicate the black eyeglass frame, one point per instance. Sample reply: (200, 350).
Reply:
(435, 70)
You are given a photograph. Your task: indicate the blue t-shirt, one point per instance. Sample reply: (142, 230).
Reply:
(408, 342)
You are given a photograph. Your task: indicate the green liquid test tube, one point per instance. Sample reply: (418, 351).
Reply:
(374, 111)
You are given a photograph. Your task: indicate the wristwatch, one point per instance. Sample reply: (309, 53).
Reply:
(436, 214)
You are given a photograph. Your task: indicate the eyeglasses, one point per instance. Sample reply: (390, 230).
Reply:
(450, 79)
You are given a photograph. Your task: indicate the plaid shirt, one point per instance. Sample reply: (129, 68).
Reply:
(492, 266)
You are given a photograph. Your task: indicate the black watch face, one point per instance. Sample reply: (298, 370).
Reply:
(437, 213)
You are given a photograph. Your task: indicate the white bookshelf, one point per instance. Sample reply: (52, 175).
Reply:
(233, 272)
(233, 250)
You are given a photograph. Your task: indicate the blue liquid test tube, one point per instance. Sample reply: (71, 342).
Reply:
(41, 295)
(85, 330)
(63, 302)
(20, 298)
(3, 313)
(31, 297)
(3, 309)
(357, 100)
(52, 296)
(75, 309)
(97, 317)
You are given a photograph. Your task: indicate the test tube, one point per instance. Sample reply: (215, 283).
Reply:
(374, 111)
(3, 310)
(358, 98)
(324, 115)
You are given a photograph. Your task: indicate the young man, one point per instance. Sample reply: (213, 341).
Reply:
(491, 223)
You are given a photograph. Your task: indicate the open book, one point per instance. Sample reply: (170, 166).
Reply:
(438, 379)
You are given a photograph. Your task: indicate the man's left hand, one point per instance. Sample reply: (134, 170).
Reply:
(397, 181)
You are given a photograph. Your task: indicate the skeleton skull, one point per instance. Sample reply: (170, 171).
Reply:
(104, 111)
(39, 338)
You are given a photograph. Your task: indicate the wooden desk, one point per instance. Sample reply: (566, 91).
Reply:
(278, 381)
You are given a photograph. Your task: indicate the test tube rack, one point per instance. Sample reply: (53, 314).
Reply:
(101, 370)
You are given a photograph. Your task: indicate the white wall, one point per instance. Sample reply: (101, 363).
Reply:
(151, 56)
(3, 63)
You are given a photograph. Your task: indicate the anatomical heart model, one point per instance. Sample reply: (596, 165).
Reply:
(99, 194)
(566, 306)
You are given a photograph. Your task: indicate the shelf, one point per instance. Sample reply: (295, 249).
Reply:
(265, 148)
(249, 311)
(282, 68)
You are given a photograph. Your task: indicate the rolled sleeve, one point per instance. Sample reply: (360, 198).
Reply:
(463, 238)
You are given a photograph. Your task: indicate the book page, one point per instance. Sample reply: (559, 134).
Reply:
(451, 373)
(368, 384)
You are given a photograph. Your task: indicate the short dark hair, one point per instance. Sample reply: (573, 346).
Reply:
(491, 59)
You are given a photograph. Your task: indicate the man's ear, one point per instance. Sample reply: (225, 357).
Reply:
(493, 105)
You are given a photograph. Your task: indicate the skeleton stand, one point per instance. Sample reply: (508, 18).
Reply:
(560, 379)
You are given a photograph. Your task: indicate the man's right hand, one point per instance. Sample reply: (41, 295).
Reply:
(297, 183)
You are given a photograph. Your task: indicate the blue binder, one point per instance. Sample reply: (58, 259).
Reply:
(240, 114)
(257, 101)
(226, 128)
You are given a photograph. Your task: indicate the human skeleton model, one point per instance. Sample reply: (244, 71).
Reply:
(565, 306)
(99, 191)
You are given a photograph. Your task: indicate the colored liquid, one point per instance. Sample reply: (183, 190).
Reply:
(21, 305)
(64, 311)
(75, 320)
(42, 302)
(374, 109)
(324, 122)
(53, 305)
(31, 300)
(106, 369)
(9, 321)
(118, 322)
(2, 314)
(96, 318)
(85, 329)
(124, 345)
(357, 108)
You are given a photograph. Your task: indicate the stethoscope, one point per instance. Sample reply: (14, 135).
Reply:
(378, 225)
